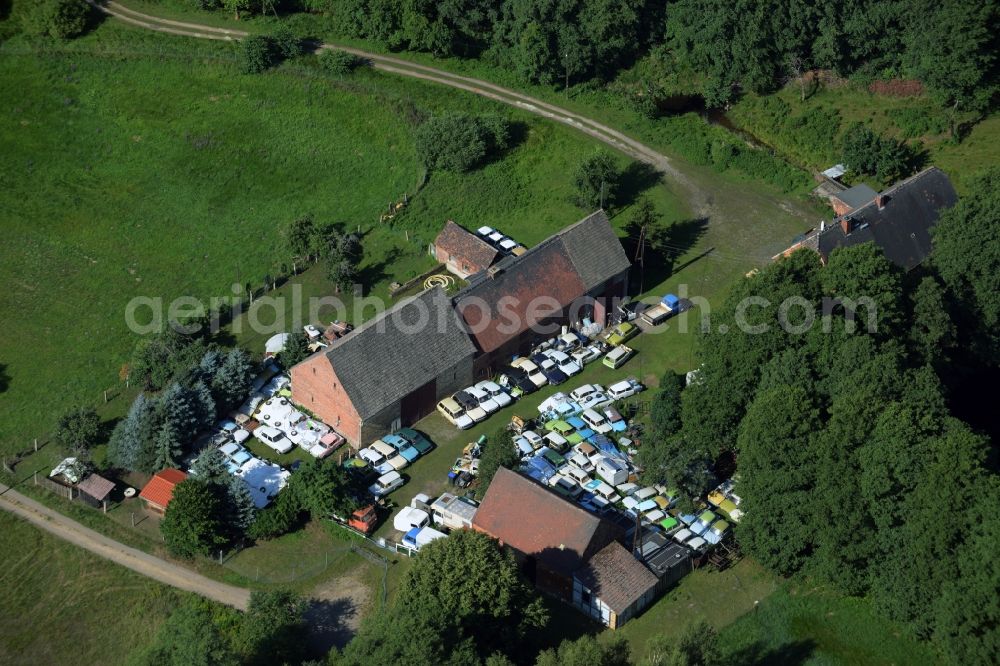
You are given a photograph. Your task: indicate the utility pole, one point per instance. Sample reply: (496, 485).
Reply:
(640, 257)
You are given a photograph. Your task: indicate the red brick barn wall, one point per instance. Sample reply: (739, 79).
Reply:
(315, 386)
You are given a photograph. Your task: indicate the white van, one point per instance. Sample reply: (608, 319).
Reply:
(611, 471)
(596, 421)
(385, 484)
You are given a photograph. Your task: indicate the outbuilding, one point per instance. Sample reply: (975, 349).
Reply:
(160, 489)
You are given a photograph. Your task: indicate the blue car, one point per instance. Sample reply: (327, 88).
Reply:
(403, 447)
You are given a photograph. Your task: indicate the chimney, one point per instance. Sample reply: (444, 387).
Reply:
(845, 224)
(880, 201)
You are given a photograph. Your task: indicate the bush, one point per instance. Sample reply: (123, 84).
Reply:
(339, 62)
(865, 152)
(258, 54)
(79, 430)
(59, 19)
(914, 122)
(723, 153)
(286, 43)
(460, 143)
(596, 181)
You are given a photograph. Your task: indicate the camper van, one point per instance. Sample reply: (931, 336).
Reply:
(611, 471)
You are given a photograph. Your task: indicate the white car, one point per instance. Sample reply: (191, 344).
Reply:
(585, 355)
(486, 401)
(274, 438)
(624, 389)
(564, 362)
(524, 447)
(534, 374)
(596, 421)
(582, 392)
(495, 391)
(576, 474)
(532, 438)
(594, 400)
(485, 232)
(378, 460)
(389, 452)
(582, 462)
(385, 484)
(556, 441)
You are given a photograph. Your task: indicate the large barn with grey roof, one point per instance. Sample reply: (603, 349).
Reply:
(391, 372)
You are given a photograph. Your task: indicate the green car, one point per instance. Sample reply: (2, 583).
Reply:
(554, 458)
(622, 333)
(559, 426)
(417, 440)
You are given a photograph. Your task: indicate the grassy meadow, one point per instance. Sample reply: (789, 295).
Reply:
(64, 605)
(141, 165)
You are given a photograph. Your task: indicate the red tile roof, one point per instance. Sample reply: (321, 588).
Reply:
(160, 489)
(536, 521)
(462, 243)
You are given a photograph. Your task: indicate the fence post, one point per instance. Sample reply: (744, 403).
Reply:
(36, 445)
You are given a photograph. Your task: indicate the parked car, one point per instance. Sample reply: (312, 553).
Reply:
(507, 245)
(616, 420)
(532, 438)
(496, 393)
(516, 381)
(594, 401)
(618, 356)
(577, 474)
(484, 399)
(485, 232)
(471, 405)
(565, 486)
(622, 333)
(564, 362)
(274, 438)
(585, 355)
(624, 389)
(552, 371)
(536, 376)
(524, 447)
(559, 426)
(582, 462)
(402, 446)
(386, 483)
(416, 440)
(378, 460)
(392, 456)
(581, 392)
(596, 421)
(455, 414)
(556, 442)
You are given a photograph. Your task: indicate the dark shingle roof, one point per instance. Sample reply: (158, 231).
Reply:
(616, 578)
(857, 196)
(399, 351)
(456, 240)
(561, 268)
(902, 227)
(534, 520)
(96, 486)
(595, 250)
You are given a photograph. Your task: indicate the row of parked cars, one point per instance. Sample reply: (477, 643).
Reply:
(387, 456)
(505, 244)
(552, 362)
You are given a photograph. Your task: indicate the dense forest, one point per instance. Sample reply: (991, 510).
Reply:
(833, 392)
(722, 47)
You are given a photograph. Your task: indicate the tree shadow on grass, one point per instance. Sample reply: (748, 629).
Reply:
(4, 377)
(635, 179)
(381, 270)
(789, 654)
(663, 245)
(329, 625)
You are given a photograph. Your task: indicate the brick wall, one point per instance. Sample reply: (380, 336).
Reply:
(315, 386)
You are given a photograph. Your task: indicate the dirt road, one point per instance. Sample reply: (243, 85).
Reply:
(698, 200)
(136, 560)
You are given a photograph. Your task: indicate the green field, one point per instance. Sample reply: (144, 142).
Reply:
(63, 605)
(140, 165)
